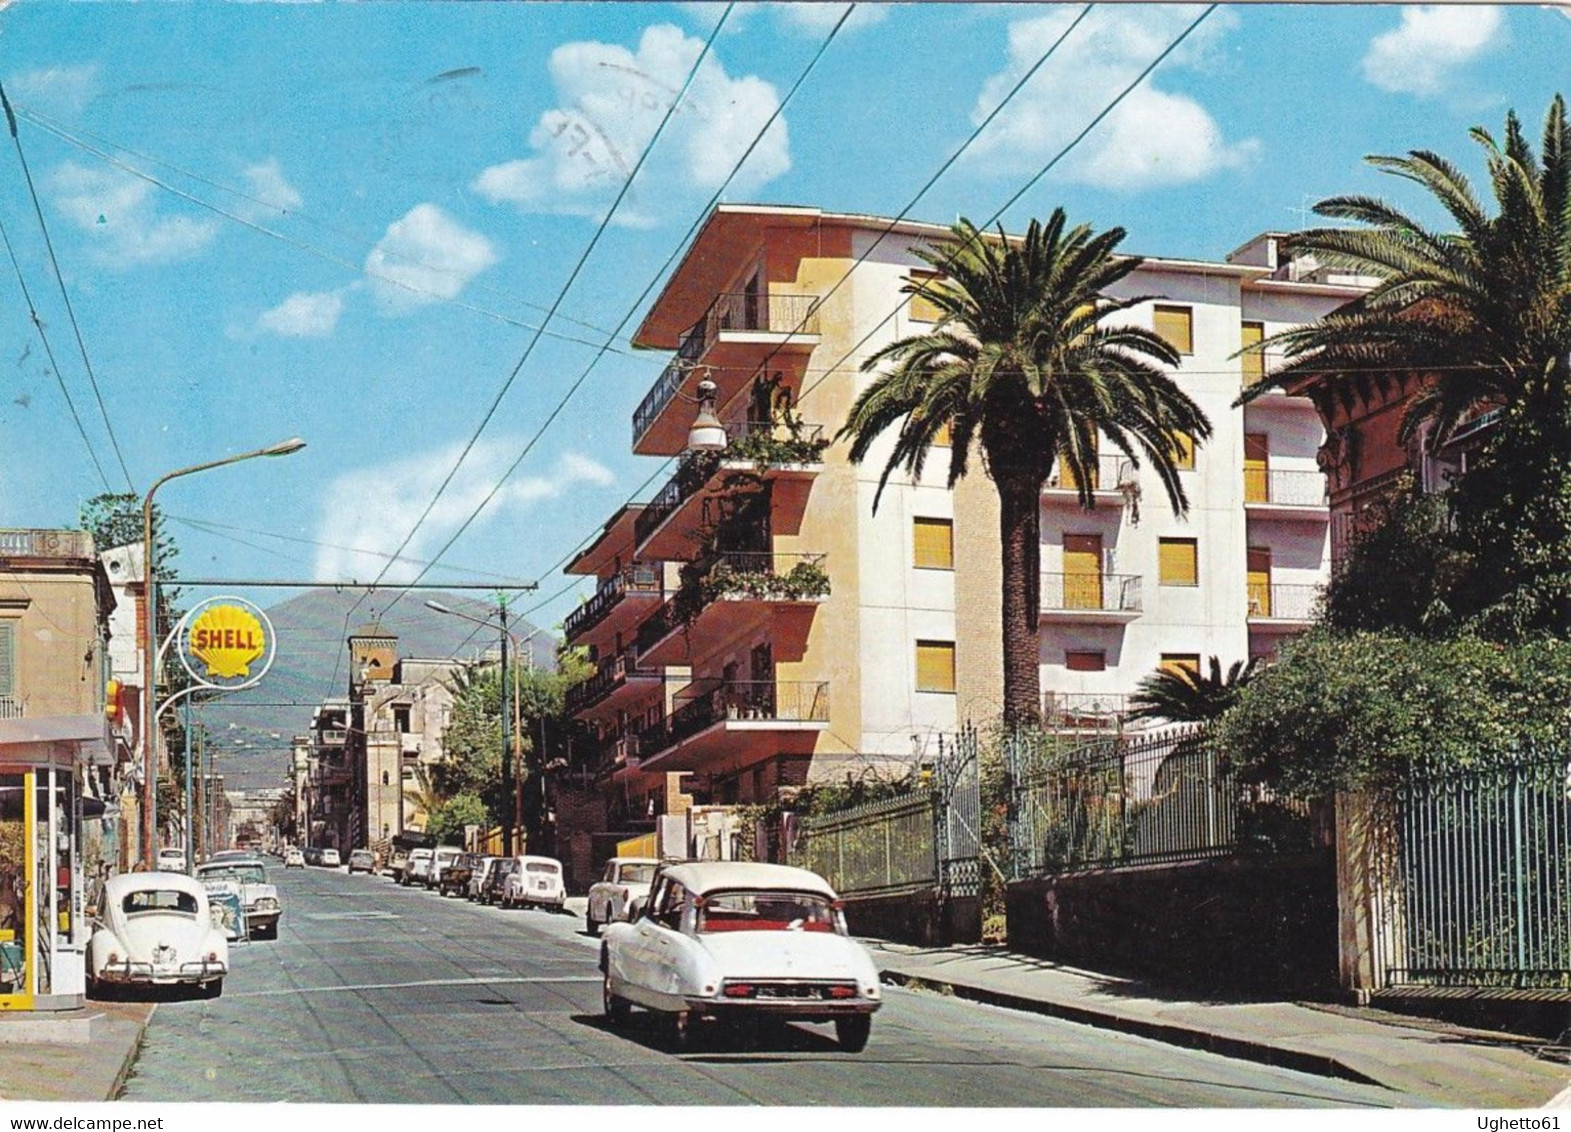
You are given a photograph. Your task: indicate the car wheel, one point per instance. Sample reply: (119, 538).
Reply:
(852, 1032)
(591, 925)
(616, 1007)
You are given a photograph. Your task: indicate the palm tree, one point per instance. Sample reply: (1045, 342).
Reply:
(1023, 363)
(423, 795)
(1482, 316)
(1178, 695)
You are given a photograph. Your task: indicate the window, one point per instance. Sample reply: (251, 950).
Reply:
(934, 544)
(7, 658)
(1085, 661)
(935, 666)
(941, 437)
(1185, 443)
(401, 718)
(1179, 561)
(1176, 327)
(1176, 662)
(1253, 361)
(923, 309)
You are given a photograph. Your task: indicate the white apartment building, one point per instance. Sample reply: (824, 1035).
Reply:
(814, 639)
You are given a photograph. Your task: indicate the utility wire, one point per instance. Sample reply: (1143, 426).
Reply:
(54, 263)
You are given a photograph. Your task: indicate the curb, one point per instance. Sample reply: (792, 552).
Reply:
(1317, 1064)
(131, 1054)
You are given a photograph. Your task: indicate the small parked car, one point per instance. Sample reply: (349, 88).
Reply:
(262, 907)
(418, 867)
(362, 861)
(313, 855)
(443, 858)
(155, 929)
(495, 881)
(294, 858)
(537, 882)
(455, 877)
(622, 888)
(738, 940)
(170, 860)
(477, 873)
(330, 859)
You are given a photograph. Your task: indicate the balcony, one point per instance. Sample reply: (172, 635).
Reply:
(1084, 711)
(667, 527)
(739, 720)
(736, 590)
(1272, 494)
(1282, 609)
(736, 333)
(1111, 482)
(640, 581)
(10, 708)
(617, 680)
(332, 738)
(1093, 598)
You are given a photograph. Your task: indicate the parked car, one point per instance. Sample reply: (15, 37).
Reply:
(622, 888)
(729, 939)
(477, 872)
(444, 857)
(330, 859)
(313, 855)
(155, 929)
(536, 882)
(495, 881)
(263, 909)
(362, 861)
(418, 867)
(171, 860)
(455, 877)
(294, 858)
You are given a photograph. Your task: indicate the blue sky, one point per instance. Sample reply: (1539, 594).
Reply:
(344, 221)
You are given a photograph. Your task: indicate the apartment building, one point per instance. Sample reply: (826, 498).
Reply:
(758, 625)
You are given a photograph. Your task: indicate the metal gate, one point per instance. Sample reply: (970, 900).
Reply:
(957, 818)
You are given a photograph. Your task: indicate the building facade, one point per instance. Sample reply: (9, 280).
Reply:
(758, 625)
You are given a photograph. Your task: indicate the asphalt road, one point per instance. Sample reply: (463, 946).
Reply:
(378, 994)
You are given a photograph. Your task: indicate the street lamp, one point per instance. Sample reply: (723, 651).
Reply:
(508, 789)
(150, 641)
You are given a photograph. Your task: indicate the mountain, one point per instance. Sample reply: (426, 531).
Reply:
(251, 730)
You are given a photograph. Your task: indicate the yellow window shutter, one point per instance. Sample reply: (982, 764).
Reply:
(1257, 467)
(935, 666)
(1176, 327)
(934, 545)
(1253, 361)
(941, 437)
(1179, 561)
(923, 309)
(1176, 662)
(1185, 443)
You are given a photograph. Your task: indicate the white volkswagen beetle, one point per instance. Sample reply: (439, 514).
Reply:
(155, 929)
(728, 939)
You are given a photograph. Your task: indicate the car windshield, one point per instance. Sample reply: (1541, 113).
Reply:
(542, 867)
(159, 900)
(636, 874)
(766, 912)
(246, 874)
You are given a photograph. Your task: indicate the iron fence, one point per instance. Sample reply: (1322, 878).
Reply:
(1483, 892)
(881, 848)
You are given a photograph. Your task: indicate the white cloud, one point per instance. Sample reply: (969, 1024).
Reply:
(611, 101)
(1433, 40)
(60, 90)
(122, 219)
(425, 257)
(304, 315)
(815, 17)
(1154, 137)
(271, 193)
(373, 508)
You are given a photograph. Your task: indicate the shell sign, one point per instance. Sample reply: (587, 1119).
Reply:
(228, 639)
(226, 642)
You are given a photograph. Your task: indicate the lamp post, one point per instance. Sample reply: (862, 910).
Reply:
(150, 642)
(509, 724)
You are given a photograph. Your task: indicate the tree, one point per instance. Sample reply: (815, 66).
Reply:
(1022, 362)
(1482, 316)
(1178, 695)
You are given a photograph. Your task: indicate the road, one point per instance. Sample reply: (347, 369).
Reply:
(378, 994)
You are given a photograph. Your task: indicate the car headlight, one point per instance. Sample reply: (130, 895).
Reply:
(267, 904)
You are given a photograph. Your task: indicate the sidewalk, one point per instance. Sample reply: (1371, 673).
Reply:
(1438, 1064)
(79, 1055)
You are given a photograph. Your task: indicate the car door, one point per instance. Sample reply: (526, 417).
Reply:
(600, 894)
(644, 955)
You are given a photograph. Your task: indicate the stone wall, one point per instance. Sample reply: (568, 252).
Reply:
(918, 918)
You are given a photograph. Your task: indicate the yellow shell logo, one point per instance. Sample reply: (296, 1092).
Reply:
(227, 639)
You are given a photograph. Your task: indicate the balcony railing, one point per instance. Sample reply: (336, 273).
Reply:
(611, 674)
(1085, 710)
(637, 578)
(760, 443)
(703, 704)
(1285, 489)
(743, 311)
(1110, 474)
(765, 576)
(1093, 593)
(10, 708)
(334, 738)
(1283, 603)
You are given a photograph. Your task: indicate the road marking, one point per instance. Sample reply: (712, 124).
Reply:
(480, 981)
(352, 916)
